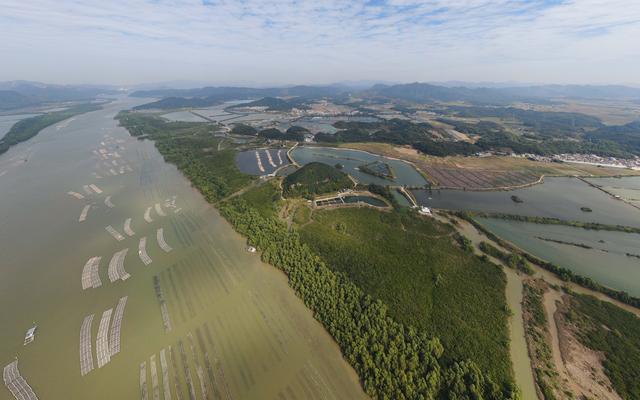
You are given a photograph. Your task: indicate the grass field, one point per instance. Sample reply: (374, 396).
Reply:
(413, 265)
(265, 198)
(485, 172)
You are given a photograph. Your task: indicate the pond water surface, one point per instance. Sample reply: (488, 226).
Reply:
(405, 174)
(606, 262)
(556, 198)
(261, 161)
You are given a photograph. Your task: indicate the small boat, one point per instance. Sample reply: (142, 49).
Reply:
(251, 249)
(516, 199)
(30, 335)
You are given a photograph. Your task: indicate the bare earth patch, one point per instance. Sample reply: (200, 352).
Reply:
(580, 368)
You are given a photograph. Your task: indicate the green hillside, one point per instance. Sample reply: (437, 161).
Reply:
(315, 178)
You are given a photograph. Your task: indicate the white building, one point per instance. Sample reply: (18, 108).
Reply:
(424, 211)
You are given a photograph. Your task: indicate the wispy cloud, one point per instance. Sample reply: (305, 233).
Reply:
(320, 41)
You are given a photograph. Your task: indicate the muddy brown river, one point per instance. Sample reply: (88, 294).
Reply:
(203, 317)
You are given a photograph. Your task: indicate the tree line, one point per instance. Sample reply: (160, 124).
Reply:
(393, 361)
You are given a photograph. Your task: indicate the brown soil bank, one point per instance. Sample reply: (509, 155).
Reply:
(565, 368)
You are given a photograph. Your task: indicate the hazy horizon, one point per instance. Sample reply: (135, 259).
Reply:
(257, 43)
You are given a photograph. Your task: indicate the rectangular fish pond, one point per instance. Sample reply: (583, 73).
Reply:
(261, 161)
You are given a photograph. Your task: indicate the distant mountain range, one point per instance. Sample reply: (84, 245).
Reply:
(425, 93)
(211, 91)
(413, 92)
(208, 96)
(20, 94)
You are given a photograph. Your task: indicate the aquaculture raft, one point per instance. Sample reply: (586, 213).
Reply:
(16, 384)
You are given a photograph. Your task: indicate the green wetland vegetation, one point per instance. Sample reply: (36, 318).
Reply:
(557, 221)
(512, 260)
(413, 265)
(425, 355)
(25, 129)
(193, 149)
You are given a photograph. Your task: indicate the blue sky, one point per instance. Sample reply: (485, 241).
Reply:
(264, 42)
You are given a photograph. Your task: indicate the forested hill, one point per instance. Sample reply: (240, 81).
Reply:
(627, 136)
(276, 104)
(10, 99)
(173, 102)
(315, 178)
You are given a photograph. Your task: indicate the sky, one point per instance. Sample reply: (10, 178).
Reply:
(265, 42)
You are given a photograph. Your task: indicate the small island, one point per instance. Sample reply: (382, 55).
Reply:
(379, 169)
(315, 178)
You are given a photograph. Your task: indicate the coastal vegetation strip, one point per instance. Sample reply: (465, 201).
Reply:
(27, 128)
(556, 221)
(581, 245)
(393, 359)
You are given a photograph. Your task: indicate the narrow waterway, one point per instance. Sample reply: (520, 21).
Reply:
(514, 291)
(518, 346)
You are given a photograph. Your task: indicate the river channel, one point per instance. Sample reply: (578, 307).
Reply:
(230, 326)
